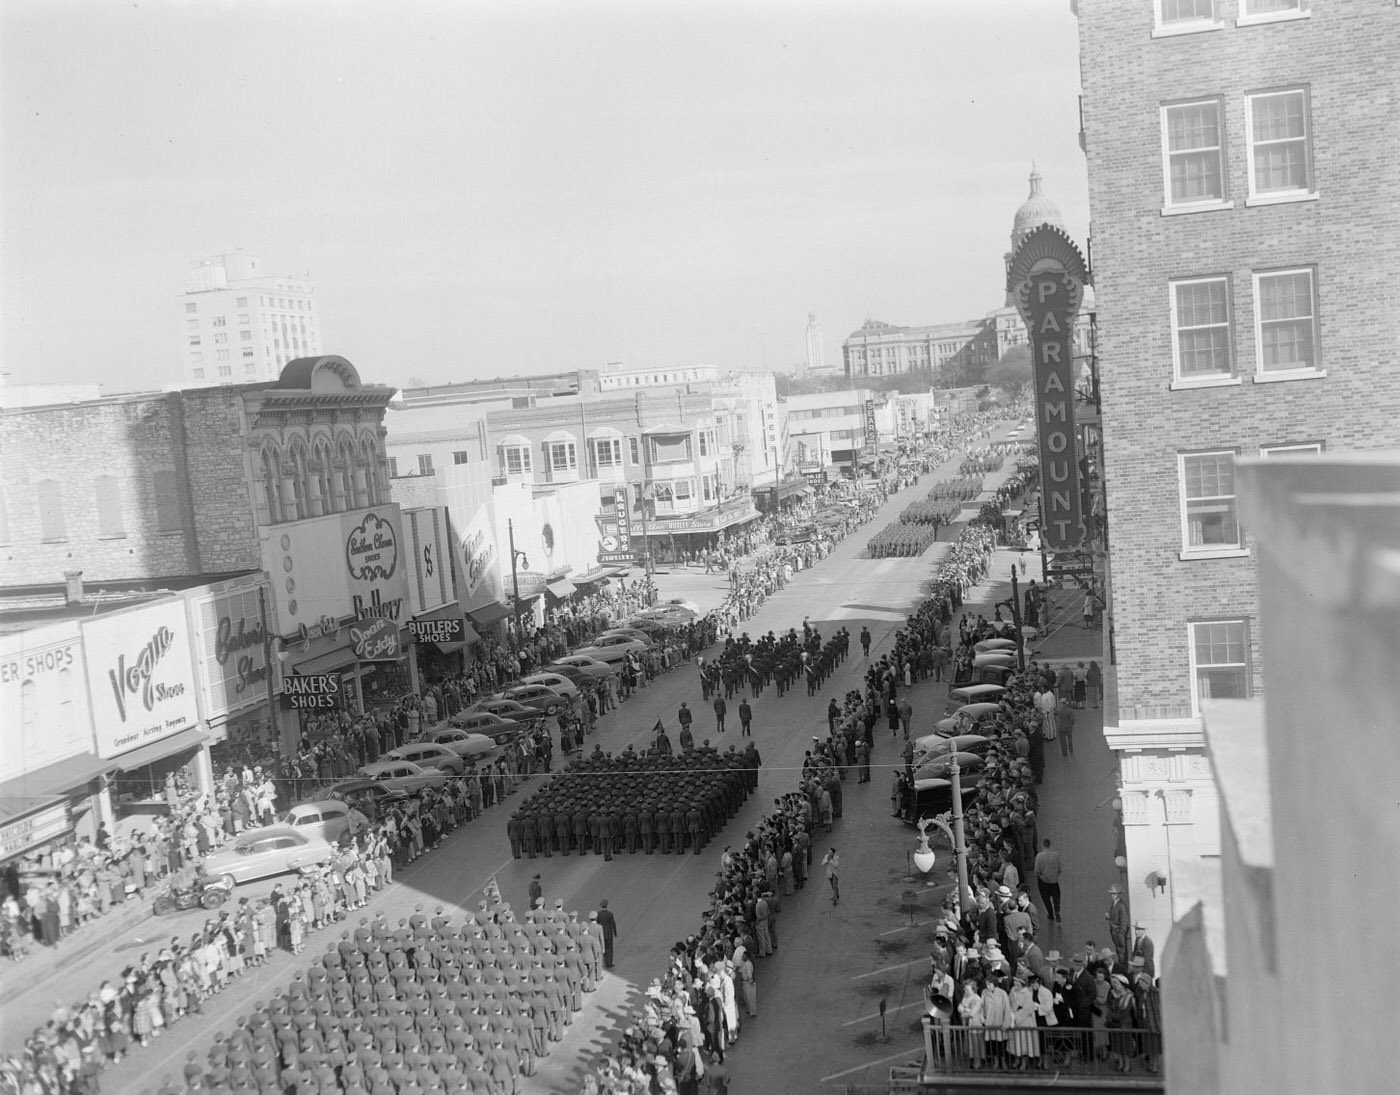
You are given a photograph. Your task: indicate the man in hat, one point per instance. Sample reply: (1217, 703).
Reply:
(1118, 919)
(536, 893)
(1144, 948)
(608, 923)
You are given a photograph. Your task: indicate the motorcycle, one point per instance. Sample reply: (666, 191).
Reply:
(208, 893)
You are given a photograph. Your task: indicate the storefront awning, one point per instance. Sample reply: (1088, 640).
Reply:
(28, 792)
(444, 648)
(325, 663)
(599, 575)
(489, 614)
(560, 587)
(182, 742)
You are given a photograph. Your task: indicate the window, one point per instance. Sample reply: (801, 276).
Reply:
(635, 450)
(460, 457)
(221, 336)
(221, 355)
(1279, 160)
(1285, 315)
(52, 527)
(194, 340)
(707, 488)
(1220, 659)
(196, 357)
(247, 353)
(245, 336)
(563, 456)
(199, 374)
(1209, 515)
(192, 325)
(1271, 11)
(1303, 448)
(1201, 340)
(664, 449)
(1185, 16)
(191, 308)
(707, 443)
(109, 507)
(1194, 135)
(393, 467)
(241, 302)
(225, 370)
(244, 319)
(425, 463)
(607, 452)
(683, 489)
(220, 321)
(515, 460)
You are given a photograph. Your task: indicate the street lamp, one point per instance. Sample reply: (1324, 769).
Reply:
(514, 577)
(1015, 605)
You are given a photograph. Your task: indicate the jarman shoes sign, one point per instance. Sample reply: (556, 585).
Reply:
(1047, 277)
(140, 676)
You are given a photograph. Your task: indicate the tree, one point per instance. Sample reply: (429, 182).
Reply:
(1012, 370)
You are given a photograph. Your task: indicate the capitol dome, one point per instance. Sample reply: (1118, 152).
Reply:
(1036, 210)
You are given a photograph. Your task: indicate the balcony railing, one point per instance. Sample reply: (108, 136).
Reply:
(1034, 1051)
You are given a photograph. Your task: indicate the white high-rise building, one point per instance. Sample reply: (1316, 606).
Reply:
(816, 358)
(241, 325)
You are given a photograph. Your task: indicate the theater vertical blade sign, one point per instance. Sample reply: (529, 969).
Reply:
(1047, 277)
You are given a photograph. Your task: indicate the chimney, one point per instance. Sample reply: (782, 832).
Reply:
(74, 582)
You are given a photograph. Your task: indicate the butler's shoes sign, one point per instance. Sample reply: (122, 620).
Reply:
(372, 549)
(140, 676)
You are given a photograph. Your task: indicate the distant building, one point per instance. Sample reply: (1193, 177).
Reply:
(1248, 287)
(616, 376)
(242, 326)
(816, 350)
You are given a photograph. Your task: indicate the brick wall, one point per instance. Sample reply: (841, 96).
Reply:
(221, 478)
(1348, 57)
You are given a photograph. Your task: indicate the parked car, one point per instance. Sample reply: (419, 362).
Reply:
(630, 632)
(612, 648)
(428, 754)
(328, 819)
(557, 681)
(593, 667)
(403, 775)
(464, 743)
(528, 717)
(538, 697)
(273, 849)
(366, 795)
(499, 729)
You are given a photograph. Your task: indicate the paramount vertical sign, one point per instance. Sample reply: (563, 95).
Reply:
(1047, 277)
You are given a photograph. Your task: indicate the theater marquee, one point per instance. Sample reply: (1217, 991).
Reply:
(1047, 278)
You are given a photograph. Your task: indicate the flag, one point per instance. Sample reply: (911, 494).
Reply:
(658, 728)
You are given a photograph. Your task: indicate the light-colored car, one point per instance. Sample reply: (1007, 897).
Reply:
(403, 775)
(613, 648)
(428, 754)
(630, 632)
(273, 849)
(499, 729)
(556, 681)
(327, 819)
(598, 670)
(462, 742)
(506, 709)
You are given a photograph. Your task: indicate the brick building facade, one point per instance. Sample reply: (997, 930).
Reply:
(1247, 280)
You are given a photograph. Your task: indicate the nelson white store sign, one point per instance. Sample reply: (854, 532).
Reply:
(140, 676)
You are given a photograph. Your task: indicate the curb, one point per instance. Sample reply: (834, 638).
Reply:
(40, 967)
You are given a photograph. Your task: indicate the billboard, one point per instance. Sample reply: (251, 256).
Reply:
(140, 676)
(1047, 277)
(346, 564)
(232, 650)
(872, 431)
(428, 545)
(477, 551)
(43, 698)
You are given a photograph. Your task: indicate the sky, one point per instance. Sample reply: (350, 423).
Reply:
(495, 189)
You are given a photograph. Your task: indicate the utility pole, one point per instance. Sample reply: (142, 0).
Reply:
(514, 577)
(272, 726)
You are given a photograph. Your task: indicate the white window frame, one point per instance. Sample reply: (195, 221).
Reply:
(1268, 376)
(561, 456)
(612, 446)
(1247, 18)
(425, 463)
(1207, 551)
(1172, 207)
(1298, 448)
(1167, 28)
(1247, 664)
(1204, 380)
(523, 460)
(1308, 191)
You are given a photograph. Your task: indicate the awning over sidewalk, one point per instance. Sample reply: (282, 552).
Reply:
(182, 742)
(488, 614)
(29, 792)
(560, 587)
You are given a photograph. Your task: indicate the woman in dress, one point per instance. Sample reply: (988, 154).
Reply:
(970, 1012)
(996, 1019)
(1100, 1012)
(1121, 1014)
(1024, 1045)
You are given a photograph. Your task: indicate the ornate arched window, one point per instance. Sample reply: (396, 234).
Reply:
(344, 479)
(301, 482)
(270, 478)
(324, 473)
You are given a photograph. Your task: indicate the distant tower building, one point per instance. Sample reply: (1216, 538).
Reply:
(816, 360)
(242, 326)
(1036, 210)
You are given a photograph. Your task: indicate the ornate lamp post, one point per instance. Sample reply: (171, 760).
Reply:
(514, 577)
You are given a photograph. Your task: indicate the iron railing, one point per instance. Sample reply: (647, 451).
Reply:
(1074, 1051)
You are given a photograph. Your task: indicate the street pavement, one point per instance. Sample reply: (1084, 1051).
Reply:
(819, 995)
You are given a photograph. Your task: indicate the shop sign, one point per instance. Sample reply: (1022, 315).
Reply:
(233, 650)
(440, 632)
(428, 547)
(28, 832)
(531, 583)
(1047, 277)
(872, 433)
(375, 640)
(140, 675)
(622, 516)
(478, 554)
(43, 698)
(310, 692)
